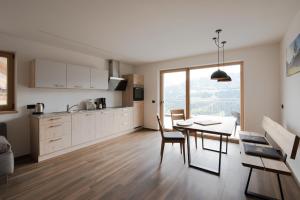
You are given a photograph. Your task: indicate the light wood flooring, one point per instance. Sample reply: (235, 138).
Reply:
(128, 167)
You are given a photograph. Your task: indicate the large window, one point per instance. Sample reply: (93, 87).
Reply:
(7, 73)
(209, 97)
(193, 90)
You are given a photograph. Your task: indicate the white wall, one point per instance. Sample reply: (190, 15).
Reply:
(290, 92)
(54, 99)
(261, 90)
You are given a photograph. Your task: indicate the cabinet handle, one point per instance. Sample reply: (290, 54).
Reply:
(55, 140)
(88, 114)
(57, 85)
(52, 119)
(77, 86)
(55, 126)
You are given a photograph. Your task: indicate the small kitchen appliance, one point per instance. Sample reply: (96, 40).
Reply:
(38, 108)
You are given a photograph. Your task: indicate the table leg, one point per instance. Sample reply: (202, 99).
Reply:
(224, 152)
(202, 168)
(188, 146)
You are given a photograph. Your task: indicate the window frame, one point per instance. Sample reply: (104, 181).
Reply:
(10, 107)
(188, 69)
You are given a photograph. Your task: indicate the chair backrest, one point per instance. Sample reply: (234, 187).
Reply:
(287, 141)
(161, 128)
(177, 114)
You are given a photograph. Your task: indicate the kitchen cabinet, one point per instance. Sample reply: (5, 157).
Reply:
(138, 79)
(105, 123)
(51, 74)
(124, 119)
(50, 135)
(99, 79)
(78, 77)
(56, 134)
(83, 127)
(138, 113)
(48, 74)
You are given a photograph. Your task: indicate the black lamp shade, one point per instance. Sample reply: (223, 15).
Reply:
(218, 75)
(227, 79)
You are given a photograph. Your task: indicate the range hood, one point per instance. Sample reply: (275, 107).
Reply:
(115, 81)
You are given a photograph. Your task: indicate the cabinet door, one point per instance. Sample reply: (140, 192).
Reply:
(126, 119)
(138, 79)
(100, 130)
(78, 77)
(49, 74)
(83, 127)
(105, 124)
(138, 113)
(99, 79)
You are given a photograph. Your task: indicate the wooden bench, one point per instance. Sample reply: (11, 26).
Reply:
(280, 138)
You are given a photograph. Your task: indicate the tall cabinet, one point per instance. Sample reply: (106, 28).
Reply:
(134, 80)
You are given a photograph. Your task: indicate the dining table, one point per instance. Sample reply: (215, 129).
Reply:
(215, 125)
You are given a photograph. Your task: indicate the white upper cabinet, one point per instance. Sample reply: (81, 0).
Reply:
(99, 79)
(48, 74)
(51, 74)
(78, 77)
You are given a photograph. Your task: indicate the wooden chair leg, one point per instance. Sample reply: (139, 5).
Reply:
(183, 145)
(196, 140)
(181, 148)
(162, 150)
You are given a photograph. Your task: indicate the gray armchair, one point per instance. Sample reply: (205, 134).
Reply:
(6, 155)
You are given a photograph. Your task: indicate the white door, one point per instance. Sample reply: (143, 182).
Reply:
(78, 77)
(99, 79)
(83, 127)
(50, 74)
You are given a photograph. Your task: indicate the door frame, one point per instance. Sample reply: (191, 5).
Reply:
(187, 70)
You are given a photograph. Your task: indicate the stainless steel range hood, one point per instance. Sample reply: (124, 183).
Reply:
(115, 82)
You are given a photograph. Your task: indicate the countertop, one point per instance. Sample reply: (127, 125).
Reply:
(63, 113)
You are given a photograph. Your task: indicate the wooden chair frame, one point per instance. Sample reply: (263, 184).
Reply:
(164, 140)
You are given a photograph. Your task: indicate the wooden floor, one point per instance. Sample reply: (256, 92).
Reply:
(128, 168)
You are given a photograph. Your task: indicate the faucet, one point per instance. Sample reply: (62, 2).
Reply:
(70, 107)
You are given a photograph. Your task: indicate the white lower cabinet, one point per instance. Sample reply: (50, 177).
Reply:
(105, 126)
(83, 127)
(57, 134)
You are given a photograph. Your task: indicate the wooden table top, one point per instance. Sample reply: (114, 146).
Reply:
(224, 128)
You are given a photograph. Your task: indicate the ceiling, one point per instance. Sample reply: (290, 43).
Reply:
(143, 31)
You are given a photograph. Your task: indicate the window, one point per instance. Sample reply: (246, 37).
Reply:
(192, 89)
(209, 97)
(7, 81)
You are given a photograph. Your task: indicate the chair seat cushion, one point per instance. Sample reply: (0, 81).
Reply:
(173, 135)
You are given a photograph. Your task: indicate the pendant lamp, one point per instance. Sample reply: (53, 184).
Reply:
(220, 75)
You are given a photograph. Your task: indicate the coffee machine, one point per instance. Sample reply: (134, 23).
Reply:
(100, 103)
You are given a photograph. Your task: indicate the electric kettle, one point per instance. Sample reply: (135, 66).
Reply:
(39, 108)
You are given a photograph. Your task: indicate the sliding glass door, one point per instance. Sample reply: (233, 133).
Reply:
(173, 94)
(193, 90)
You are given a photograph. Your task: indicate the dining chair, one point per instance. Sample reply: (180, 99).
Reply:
(237, 115)
(179, 114)
(170, 137)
